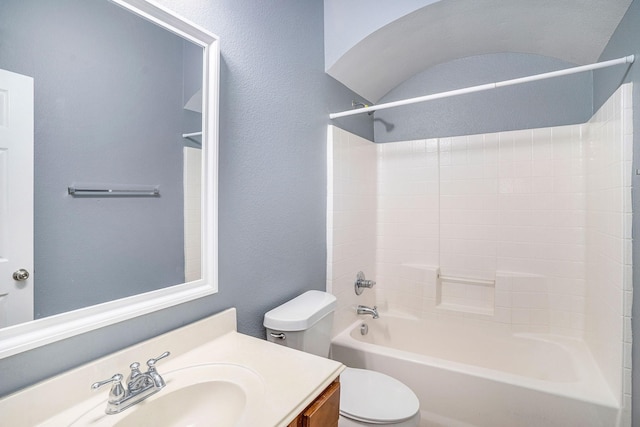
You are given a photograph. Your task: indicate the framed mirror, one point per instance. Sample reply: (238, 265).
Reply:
(124, 135)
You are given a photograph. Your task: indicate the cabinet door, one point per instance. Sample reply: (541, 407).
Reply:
(325, 410)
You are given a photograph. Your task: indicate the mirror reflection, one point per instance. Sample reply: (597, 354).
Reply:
(113, 97)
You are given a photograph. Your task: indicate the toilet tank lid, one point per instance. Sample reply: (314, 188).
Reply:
(300, 313)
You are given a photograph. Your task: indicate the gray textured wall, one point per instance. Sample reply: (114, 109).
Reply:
(553, 102)
(275, 100)
(89, 59)
(626, 41)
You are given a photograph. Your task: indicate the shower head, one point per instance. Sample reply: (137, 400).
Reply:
(387, 126)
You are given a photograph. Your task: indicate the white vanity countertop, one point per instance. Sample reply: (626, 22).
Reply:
(291, 379)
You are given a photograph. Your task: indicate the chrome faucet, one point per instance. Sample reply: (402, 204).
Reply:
(139, 386)
(363, 309)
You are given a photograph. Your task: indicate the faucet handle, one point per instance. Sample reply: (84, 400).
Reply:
(135, 373)
(361, 282)
(153, 373)
(152, 362)
(117, 391)
(113, 380)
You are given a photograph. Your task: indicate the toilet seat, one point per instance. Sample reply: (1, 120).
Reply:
(375, 398)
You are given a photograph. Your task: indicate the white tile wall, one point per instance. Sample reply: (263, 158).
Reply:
(351, 220)
(541, 231)
(544, 215)
(608, 241)
(478, 205)
(407, 220)
(469, 205)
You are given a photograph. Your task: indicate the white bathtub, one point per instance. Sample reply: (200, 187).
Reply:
(470, 375)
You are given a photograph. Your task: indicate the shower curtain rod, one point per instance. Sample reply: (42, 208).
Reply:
(625, 60)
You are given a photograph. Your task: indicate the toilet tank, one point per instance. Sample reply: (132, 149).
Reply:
(303, 323)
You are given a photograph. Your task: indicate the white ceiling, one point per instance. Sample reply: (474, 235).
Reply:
(576, 31)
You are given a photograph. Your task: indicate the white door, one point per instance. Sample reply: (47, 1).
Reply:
(16, 198)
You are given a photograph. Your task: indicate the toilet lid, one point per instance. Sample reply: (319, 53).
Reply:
(374, 397)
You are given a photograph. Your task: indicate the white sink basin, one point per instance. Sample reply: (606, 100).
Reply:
(203, 395)
(197, 404)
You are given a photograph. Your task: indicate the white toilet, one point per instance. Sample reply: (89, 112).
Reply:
(367, 398)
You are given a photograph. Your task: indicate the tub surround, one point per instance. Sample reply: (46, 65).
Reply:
(528, 231)
(62, 399)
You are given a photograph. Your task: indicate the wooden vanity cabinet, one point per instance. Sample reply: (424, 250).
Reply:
(324, 411)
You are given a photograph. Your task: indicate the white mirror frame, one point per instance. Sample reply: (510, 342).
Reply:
(27, 336)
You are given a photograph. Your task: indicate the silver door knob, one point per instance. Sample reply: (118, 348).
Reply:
(21, 275)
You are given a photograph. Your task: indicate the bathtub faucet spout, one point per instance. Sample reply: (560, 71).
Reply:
(363, 309)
